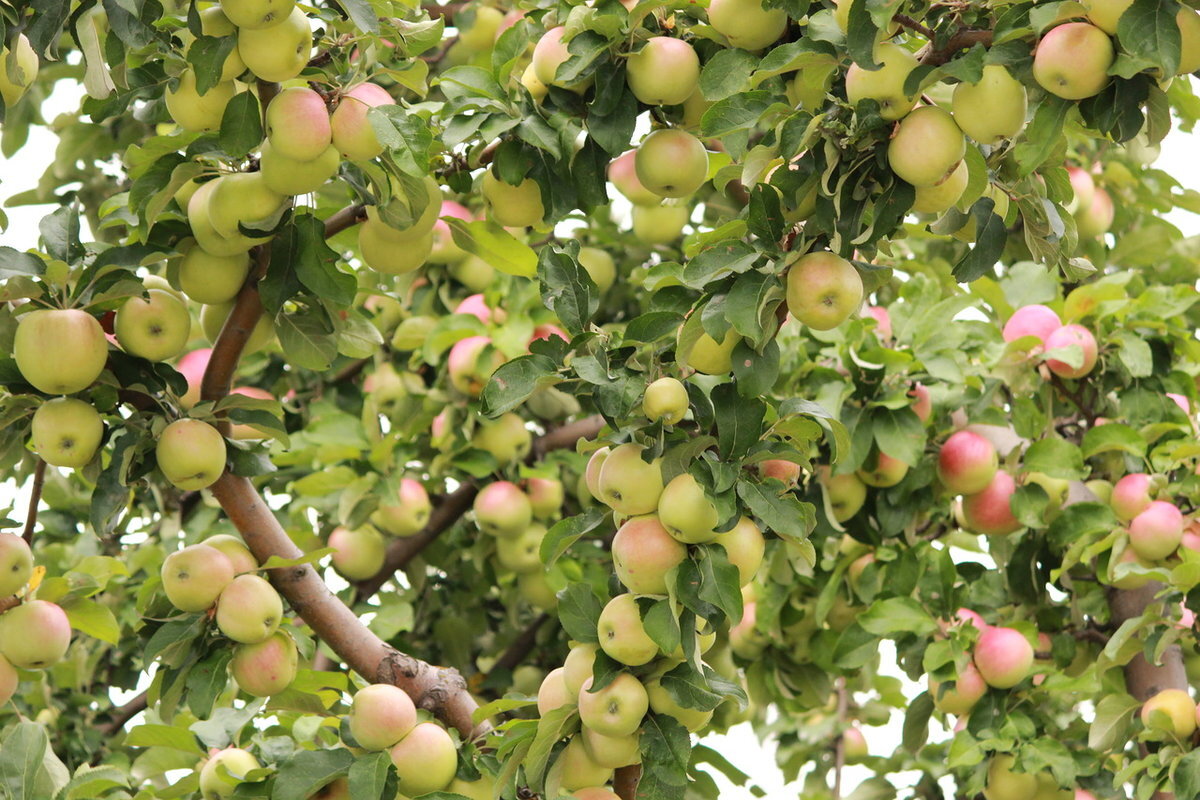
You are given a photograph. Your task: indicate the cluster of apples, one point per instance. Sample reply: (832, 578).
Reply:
(359, 553)
(34, 634)
(516, 518)
(969, 465)
(1155, 529)
(1041, 327)
(221, 571)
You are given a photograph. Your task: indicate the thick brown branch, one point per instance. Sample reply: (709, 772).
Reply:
(962, 40)
(566, 436)
(120, 715)
(35, 497)
(625, 781)
(446, 11)
(344, 218)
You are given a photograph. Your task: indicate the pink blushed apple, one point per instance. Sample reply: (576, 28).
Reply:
(1157, 532)
(989, 512)
(1131, 495)
(922, 404)
(1032, 320)
(1069, 336)
(1003, 657)
(967, 462)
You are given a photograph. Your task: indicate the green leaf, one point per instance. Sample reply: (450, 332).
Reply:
(755, 373)
(368, 776)
(307, 771)
(567, 531)
(783, 514)
(728, 257)
(306, 340)
(739, 420)
(1147, 30)
(1113, 723)
(1043, 136)
(164, 736)
(688, 688)
(551, 727)
(896, 615)
(1057, 458)
(990, 237)
(362, 15)
(14, 262)
(726, 73)
(662, 625)
(91, 782)
(1113, 436)
(579, 611)
(407, 137)
(207, 56)
(1187, 776)
(241, 125)
(900, 434)
(567, 289)
(206, 680)
(653, 326)
(720, 582)
(93, 619)
(496, 246)
(301, 244)
(916, 723)
(514, 381)
(666, 751)
(23, 773)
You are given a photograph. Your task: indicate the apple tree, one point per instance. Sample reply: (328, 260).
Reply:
(488, 400)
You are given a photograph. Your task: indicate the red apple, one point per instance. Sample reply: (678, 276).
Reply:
(1157, 532)
(1032, 320)
(988, 512)
(1131, 495)
(1068, 336)
(1003, 657)
(967, 463)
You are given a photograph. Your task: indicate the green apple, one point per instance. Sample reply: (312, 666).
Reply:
(579, 771)
(212, 320)
(661, 702)
(666, 399)
(197, 112)
(353, 135)
(156, 327)
(407, 516)
(257, 14)
(191, 454)
(513, 206)
(707, 355)
(627, 484)
(846, 493)
(664, 72)
(481, 34)
(622, 635)
(241, 198)
(615, 710)
(16, 564)
(746, 24)
(599, 266)
(482, 789)
(1189, 32)
(17, 77)
(886, 84)
(213, 22)
(942, 196)
(612, 752)
(1004, 784)
(358, 554)
(881, 470)
(60, 351)
(404, 222)
(298, 124)
(522, 553)
(206, 278)
(536, 590)
(744, 547)
(686, 511)
(591, 473)
(659, 224)
(671, 163)
(1172, 711)
(286, 176)
(577, 668)
(926, 147)
(1072, 60)
(823, 290)
(993, 109)
(235, 550)
(223, 772)
(34, 635)
(1105, 14)
(249, 609)
(546, 497)
(622, 172)
(506, 438)
(502, 509)
(529, 79)
(552, 693)
(280, 52)
(425, 760)
(380, 716)
(265, 668)
(382, 253)
(194, 577)
(66, 432)
(206, 235)
(1000, 205)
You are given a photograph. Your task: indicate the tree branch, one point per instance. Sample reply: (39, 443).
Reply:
(35, 497)
(910, 23)
(122, 714)
(511, 658)
(625, 781)
(344, 218)
(961, 40)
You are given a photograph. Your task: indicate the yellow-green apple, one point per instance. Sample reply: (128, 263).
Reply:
(9, 679)
(615, 710)
(197, 112)
(881, 470)
(404, 222)
(968, 689)
(256, 14)
(214, 22)
(993, 109)
(1189, 46)
(612, 752)
(710, 357)
(549, 54)
(502, 509)
(357, 554)
(854, 745)
(926, 147)
(425, 760)
(337, 789)
(599, 266)
(16, 564)
(383, 253)
(885, 85)
(846, 494)
(579, 771)
(744, 547)
(1156, 532)
(505, 437)
(944, 194)
(471, 362)
(17, 71)
(298, 124)
(857, 567)
(746, 24)
(1075, 337)
(990, 512)
(482, 789)
(1048, 788)
(241, 198)
(622, 172)
(591, 472)
(265, 668)
(577, 667)
(34, 635)
(1003, 656)
(529, 79)
(481, 34)
(622, 635)
(967, 462)
(1072, 60)
(224, 771)
(191, 454)
(1031, 320)
(66, 432)
(212, 320)
(286, 176)
(1004, 784)
(249, 609)
(1056, 488)
(206, 278)
(1132, 495)
(381, 715)
(280, 52)
(60, 351)
(1171, 711)
(206, 235)
(552, 693)
(352, 133)
(546, 496)
(512, 206)
(629, 485)
(686, 512)
(1103, 490)
(409, 514)
(194, 577)
(922, 404)
(661, 701)
(235, 550)
(1105, 14)
(823, 289)
(664, 72)
(521, 553)
(643, 553)
(665, 399)
(1095, 218)
(156, 327)
(1083, 187)
(671, 163)
(659, 224)
(786, 472)
(593, 793)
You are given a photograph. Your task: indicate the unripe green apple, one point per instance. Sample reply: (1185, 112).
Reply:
(622, 172)
(546, 497)
(671, 163)
(298, 124)
(746, 24)
(9, 680)
(1189, 45)
(529, 79)
(709, 356)
(14, 84)
(194, 577)
(926, 147)
(249, 610)
(257, 14)
(577, 668)
(1003, 656)
(1172, 711)
(241, 198)
(506, 438)
(353, 135)
(502, 509)
(744, 547)
(885, 85)
(823, 290)
(1004, 784)
(629, 485)
(407, 516)
(943, 195)
(881, 470)
(60, 351)
(643, 553)
(622, 635)
(659, 224)
(693, 719)
(513, 206)
(482, 789)
(235, 550)
(223, 772)
(34, 635)
(686, 511)
(191, 454)
(425, 760)
(266, 668)
(212, 320)
(358, 554)
(16, 564)
(665, 72)
(381, 253)
(666, 399)
(206, 235)
(213, 22)
(287, 176)
(552, 693)
(66, 432)
(537, 591)
(521, 553)
(599, 266)
(1096, 217)
(482, 32)
(155, 328)
(993, 109)
(611, 752)
(380, 716)
(578, 769)
(1105, 14)
(591, 474)
(197, 112)
(280, 52)
(615, 710)
(854, 745)
(847, 493)
(1072, 61)
(206, 278)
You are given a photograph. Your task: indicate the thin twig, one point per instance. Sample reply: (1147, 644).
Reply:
(35, 497)
(511, 658)
(344, 218)
(123, 713)
(962, 40)
(910, 23)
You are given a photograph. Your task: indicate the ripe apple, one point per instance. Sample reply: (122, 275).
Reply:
(197, 112)
(744, 547)
(66, 432)
(476, 306)
(993, 109)
(482, 789)
(659, 224)
(383, 253)
(506, 438)
(298, 124)
(885, 85)
(1072, 336)
(693, 719)
(548, 55)
(1083, 186)
(358, 554)
(546, 497)
(665, 399)
(708, 356)
(265, 668)
(1172, 711)
(60, 351)
(212, 320)
(577, 668)
(622, 636)
(206, 278)
(578, 769)
(1096, 218)
(522, 553)
(553, 692)
(513, 206)
(746, 24)
(1003, 656)
(599, 266)
(24, 71)
(154, 328)
(628, 485)
(206, 235)
(425, 760)
(280, 52)
(471, 362)
(1072, 60)
(671, 163)
(643, 553)
(194, 577)
(235, 550)
(224, 770)
(881, 470)
(241, 198)
(407, 516)
(34, 635)
(191, 454)
(352, 133)
(926, 147)
(1157, 531)
(944, 194)
(685, 510)
(380, 716)
(502, 509)
(9, 680)
(1004, 784)
(257, 14)
(782, 470)
(612, 752)
(249, 609)
(823, 290)
(16, 564)
(854, 745)
(591, 473)
(664, 72)
(745, 639)
(622, 172)
(989, 512)
(922, 404)
(1132, 495)
(968, 689)
(846, 493)
(615, 710)
(1031, 320)
(967, 462)
(287, 176)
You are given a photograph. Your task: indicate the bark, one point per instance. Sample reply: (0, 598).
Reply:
(35, 497)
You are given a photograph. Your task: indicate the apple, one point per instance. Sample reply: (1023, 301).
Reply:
(482, 789)
(471, 362)
(881, 470)
(17, 74)
(659, 224)
(643, 553)
(502, 509)
(686, 512)
(194, 577)
(615, 710)
(599, 266)
(965, 616)
(481, 34)
(383, 253)
(287, 176)
(425, 760)
(445, 249)
(298, 124)
(1132, 495)
(1083, 186)
(926, 147)
(622, 172)
(206, 235)
(744, 547)
(708, 356)
(197, 112)
(512, 206)
(235, 550)
(854, 745)
(1072, 336)
(994, 108)
(191, 454)
(1189, 46)
(782, 470)
(249, 609)
(213, 22)
(407, 516)
(16, 564)
(352, 133)
(1096, 218)
(522, 553)
(622, 635)
(664, 72)
(476, 306)
(1105, 14)
(380, 716)
(969, 688)
(506, 438)
(1003, 657)
(612, 752)
(745, 639)
(34, 635)
(577, 668)
(358, 554)
(265, 668)
(60, 351)
(280, 52)
(944, 194)
(212, 320)
(66, 432)
(546, 497)
(591, 473)
(1056, 488)
(883, 321)
(989, 512)
(224, 770)
(578, 770)
(1157, 531)
(1072, 60)
(403, 223)
(823, 290)
(628, 485)
(241, 198)
(206, 278)
(1004, 784)
(1172, 711)
(1031, 320)
(846, 493)
(337, 789)
(857, 567)
(922, 404)
(9, 680)
(886, 84)
(746, 24)
(967, 462)
(548, 55)
(693, 719)
(155, 328)
(553, 692)
(256, 14)
(671, 163)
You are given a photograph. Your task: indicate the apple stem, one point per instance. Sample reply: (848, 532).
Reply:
(35, 497)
